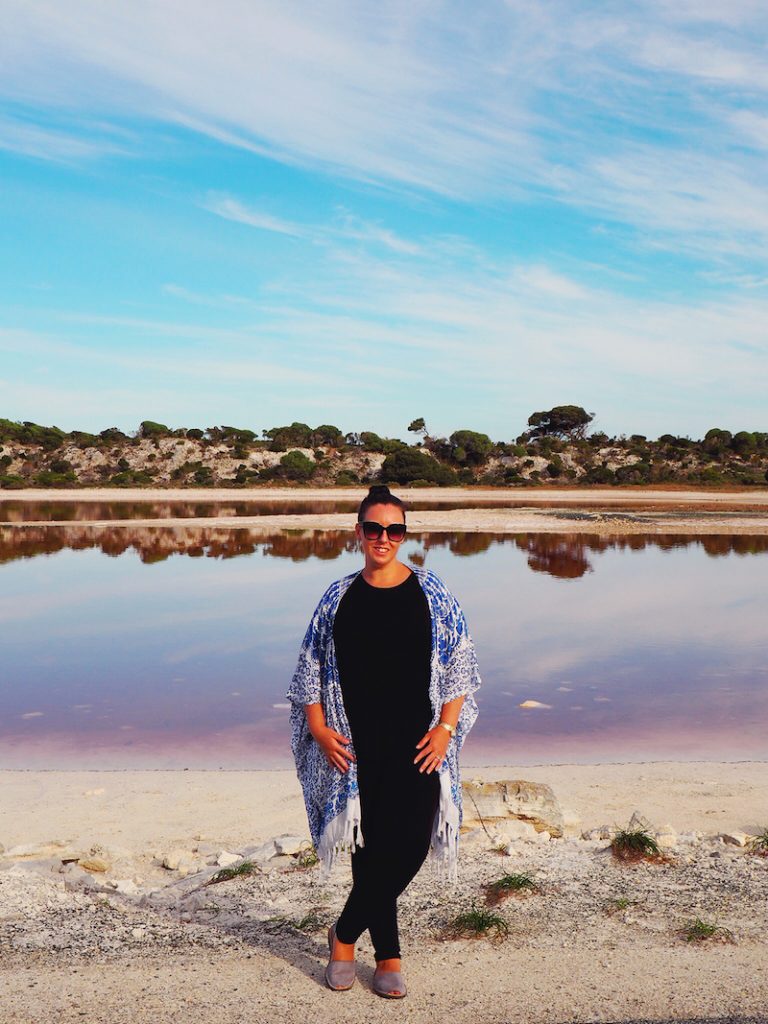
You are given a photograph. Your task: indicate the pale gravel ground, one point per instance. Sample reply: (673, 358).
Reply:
(232, 953)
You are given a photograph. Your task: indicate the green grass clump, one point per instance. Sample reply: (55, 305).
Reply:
(311, 922)
(476, 923)
(759, 843)
(635, 844)
(496, 891)
(699, 931)
(245, 867)
(307, 857)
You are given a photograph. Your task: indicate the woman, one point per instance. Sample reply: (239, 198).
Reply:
(381, 703)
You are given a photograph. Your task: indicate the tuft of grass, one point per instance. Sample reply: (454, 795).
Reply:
(497, 891)
(698, 930)
(311, 922)
(245, 867)
(306, 857)
(635, 844)
(759, 844)
(476, 923)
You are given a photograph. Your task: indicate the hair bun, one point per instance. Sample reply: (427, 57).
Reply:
(378, 490)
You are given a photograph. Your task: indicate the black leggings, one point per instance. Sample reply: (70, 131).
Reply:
(397, 819)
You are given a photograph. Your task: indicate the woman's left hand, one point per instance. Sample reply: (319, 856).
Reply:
(432, 748)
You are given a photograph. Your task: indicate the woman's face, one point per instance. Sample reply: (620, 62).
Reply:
(379, 553)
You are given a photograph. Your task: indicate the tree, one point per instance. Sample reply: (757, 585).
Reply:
(469, 448)
(406, 465)
(148, 428)
(566, 421)
(296, 466)
(418, 426)
(297, 435)
(328, 435)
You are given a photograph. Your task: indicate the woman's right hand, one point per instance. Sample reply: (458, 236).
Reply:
(335, 747)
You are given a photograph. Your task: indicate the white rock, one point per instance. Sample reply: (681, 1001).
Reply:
(735, 838)
(289, 846)
(638, 822)
(226, 859)
(571, 824)
(126, 886)
(666, 837)
(516, 829)
(602, 832)
(173, 858)
(139, 933)
(261, 854)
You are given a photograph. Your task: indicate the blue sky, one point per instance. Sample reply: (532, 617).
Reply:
(251, 212)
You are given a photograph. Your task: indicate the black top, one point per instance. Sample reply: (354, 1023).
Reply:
(383, 640)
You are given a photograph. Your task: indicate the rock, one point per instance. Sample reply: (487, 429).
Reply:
(571, 824)
(139, 933)
(509, 831)
(262, 853)
(173, 858)
(735, 838)
(126, 886)
(666, 837)
(290, 846)
(638, 823)
(532, 802)
(602, 832)
(94, 864)
(226, 859)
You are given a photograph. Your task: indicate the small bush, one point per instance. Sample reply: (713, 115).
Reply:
(635, 844)
(345, 478)
(759, 844)
(476, 923)
(307, 857)
(244, 868)
(505, 886)
(699, 931)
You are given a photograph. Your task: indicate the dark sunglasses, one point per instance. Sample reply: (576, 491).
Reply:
(372, 531)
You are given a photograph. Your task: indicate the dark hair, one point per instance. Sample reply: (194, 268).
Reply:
(379, 494)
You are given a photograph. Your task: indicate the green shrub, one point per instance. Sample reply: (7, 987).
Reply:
(407, 465)
(346, 478)
(296, 466)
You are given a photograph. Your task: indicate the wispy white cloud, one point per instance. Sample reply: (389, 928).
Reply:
(56, 145)
(346, 227)
(232, 209)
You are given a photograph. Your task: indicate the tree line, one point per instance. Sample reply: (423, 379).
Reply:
(561, 435)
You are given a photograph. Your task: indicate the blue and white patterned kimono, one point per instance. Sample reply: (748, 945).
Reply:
(332, 797)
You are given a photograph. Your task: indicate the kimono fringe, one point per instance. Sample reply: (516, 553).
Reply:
(343, 833)
(445, 834)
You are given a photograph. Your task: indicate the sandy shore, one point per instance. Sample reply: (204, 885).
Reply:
(598, 511)
(597, 941)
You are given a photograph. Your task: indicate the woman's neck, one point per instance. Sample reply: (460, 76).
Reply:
(386, 576)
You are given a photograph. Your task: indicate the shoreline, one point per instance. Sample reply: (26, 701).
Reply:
(599, 512)
(235, 805)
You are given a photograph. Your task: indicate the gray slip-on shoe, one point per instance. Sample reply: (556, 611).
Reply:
(339, 974)
(389, 984)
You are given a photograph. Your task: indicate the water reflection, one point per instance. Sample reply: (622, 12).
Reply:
(566, 556)
(632, 646)
(74, 511)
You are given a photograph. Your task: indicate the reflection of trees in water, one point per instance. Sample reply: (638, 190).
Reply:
(565, 556)
(557, 555)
